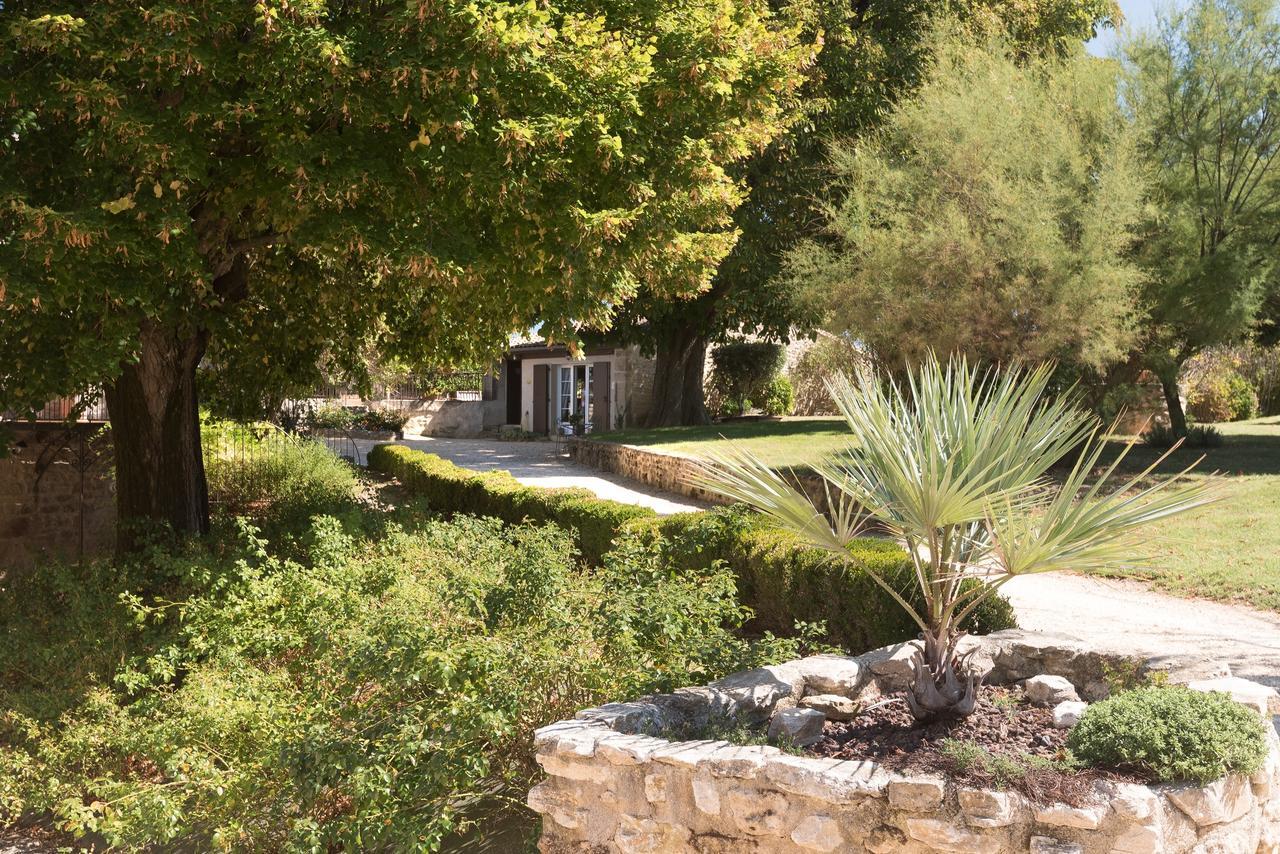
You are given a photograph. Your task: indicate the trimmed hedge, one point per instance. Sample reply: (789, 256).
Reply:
(783, 580)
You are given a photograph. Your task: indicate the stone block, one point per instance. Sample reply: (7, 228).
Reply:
(1134, 802)
(987, 808)
(1068, 713)
(944, 836)
(1049, 690)
(797, 726)
(832, 674)
(1065, 815)
(1220, 801)
(833, 706)
(917, 794)
(757, 812)
(818, 833)
(1260, 698)
(736, 760)
(892, 665)
(706, 795)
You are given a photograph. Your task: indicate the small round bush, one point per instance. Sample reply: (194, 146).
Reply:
(1168, 733)
(779, 398)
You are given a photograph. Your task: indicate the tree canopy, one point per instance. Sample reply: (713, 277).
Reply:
(250, 185)
(873, 53)
(1204, 90)
(991, 216)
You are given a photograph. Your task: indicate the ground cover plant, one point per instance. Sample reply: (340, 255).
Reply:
(370, 690)
(953, 463)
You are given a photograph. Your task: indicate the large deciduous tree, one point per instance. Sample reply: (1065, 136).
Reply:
(992, 216)
(1205, 91)
(873, 53)
(248, 185)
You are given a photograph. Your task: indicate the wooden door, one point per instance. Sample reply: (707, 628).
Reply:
(540, 374)
(601, 418)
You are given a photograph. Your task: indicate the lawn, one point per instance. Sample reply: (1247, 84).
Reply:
(1228, 551)
(786, 442)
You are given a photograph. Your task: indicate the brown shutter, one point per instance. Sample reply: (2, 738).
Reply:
(600, 387)
(540, 373)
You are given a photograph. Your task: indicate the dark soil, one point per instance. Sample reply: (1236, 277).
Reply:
(1006, 743)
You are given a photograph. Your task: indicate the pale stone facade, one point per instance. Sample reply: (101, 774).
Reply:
(612, 786)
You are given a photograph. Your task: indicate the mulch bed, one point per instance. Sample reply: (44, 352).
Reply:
(1004, 723)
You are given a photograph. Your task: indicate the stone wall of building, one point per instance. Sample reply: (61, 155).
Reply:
(615, 785)
(453, 418)
(57, 495)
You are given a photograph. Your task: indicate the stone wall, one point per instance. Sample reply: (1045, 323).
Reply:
(57, 495)
(614, 786)
(668, 472)
(452, 418)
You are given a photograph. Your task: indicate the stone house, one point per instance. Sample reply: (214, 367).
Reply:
(549, 391)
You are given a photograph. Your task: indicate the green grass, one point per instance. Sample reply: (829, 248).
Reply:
(786, 442)
(1229, 551)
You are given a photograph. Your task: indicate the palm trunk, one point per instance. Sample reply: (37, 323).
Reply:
(677, 384)
(155, 427)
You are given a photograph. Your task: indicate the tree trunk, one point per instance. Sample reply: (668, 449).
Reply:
(155, 426)
(1173, 401)
(677, 383)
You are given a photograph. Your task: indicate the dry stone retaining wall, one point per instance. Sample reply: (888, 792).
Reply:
(614, 786)
(665, 471)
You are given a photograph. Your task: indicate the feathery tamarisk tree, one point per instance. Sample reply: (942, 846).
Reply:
(247, 185)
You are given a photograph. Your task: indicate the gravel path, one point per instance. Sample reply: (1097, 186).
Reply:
(1130, 614)
(536, 464)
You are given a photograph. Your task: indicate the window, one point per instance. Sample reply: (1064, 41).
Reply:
(574, 397)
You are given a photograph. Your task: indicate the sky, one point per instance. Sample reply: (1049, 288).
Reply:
(1138, 14)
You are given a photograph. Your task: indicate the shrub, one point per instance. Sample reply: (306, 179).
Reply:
(778, 398)
(786, 582)
(1223, 395)
(828, 357)
(332, 418)
(741, 372)
(380, 421)
(260, 470)
(1198, 436)
(354, 699)
(1171, 733)
(783, 581)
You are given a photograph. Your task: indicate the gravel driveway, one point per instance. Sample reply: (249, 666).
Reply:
(1130, 614)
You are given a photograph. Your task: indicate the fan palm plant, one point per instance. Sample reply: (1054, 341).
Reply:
(954, 464)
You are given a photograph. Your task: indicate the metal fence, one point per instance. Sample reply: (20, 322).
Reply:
(245, 459)
(93, 409)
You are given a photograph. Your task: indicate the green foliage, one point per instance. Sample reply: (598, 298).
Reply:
(784, 581)
(261, 471)
(355, 699)
(830, 355)
(1003, 771)
(1163, 437)
(1170, 733)
(448, 488)
(742, 372)
(1202, 88)
(778, 398)
(371, 420)
(874, 53)
(992, 216)
(787, 582)
(1222, 395)
(248, 187)
(953, 464)
(1259, 365)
